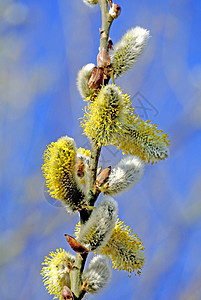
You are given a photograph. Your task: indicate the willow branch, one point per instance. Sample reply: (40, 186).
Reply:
(76, 283)
(92, 194)
(95, 154)
(106, 24)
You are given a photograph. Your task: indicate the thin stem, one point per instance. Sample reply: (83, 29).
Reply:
(106, 24)
(84, 216)
(95, 154)
(76, 283)
(92, 193)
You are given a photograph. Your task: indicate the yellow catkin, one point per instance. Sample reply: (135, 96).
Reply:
(77, 229)
(125, 249)
(55, 272)
(103, 115)
(59, 171)
(141, 138)
(85, 152)
(118, 125)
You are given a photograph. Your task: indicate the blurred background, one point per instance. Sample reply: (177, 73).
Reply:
(43, 44)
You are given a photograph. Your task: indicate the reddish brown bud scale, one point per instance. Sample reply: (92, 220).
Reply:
(115, 11)
(67, 294)
(103, 59)
(110, 44)
(103, 177)
(75, 245)
(96, 79)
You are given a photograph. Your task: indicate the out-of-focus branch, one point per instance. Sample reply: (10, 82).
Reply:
(110, 2)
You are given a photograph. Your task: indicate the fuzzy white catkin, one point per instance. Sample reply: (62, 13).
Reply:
(125, 175)
(90, 2)
(98, 273)
(127, 51)
(96, 232)
(82, 80)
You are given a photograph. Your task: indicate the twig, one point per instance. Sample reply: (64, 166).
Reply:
(92, 193)
(95, 154)
(76, 283)
(106, 24)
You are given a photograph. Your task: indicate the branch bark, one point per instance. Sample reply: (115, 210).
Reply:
(76, 276)
(106, 24)
(92, 193)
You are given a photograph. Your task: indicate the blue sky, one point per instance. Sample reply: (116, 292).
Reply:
(43, 44)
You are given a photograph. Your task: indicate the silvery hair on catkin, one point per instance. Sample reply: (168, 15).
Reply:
(125, 175)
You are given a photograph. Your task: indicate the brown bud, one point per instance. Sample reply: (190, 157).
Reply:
(75, 245)
(103, 59)
(115, 11)
(110, 44)
(79, 168)
(103, 177)
(67, 294)
(84, 285)
(96, 79)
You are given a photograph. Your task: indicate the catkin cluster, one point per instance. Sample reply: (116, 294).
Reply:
(109, 119)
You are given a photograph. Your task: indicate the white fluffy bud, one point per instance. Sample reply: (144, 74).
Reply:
(95, 233)
(125, 175)
(98, 274)
(82, 80)
(127, 51)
